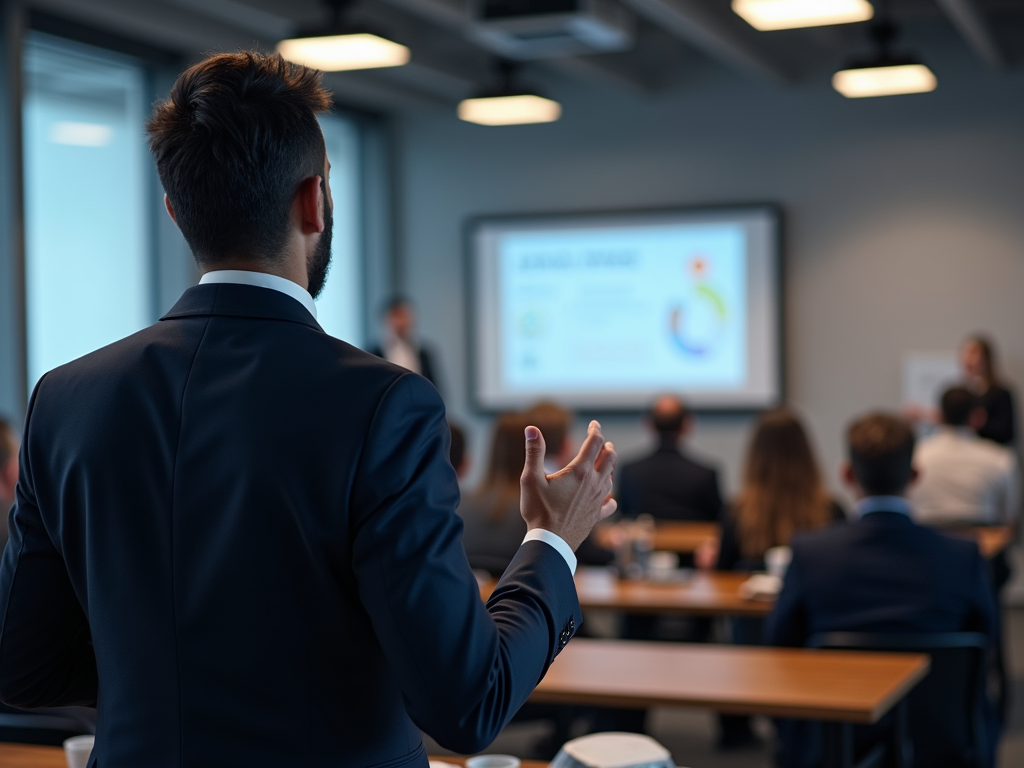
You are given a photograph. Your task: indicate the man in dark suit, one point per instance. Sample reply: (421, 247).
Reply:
(883, 573)
(400, 346)
(668, 484)
(225, 605)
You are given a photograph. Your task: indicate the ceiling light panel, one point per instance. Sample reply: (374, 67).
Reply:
(865, 82)
(510, 110)
(335, 53)
(767, 15)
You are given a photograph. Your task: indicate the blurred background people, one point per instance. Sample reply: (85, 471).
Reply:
(8, 475)
(494, 527)
(399, 343)
(668, 484)
(978, 360)
(963, 478)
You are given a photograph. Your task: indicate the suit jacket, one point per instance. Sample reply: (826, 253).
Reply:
(236, 536)
(669, 486)
(426, 358)
(883, 573)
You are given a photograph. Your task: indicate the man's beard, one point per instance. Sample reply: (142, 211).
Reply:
(318, 265)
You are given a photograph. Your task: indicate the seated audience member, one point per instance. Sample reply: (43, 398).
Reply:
(783, 494)
(8, 475)
(882, 573)
(964, 478)
(493, 525)
(457, 451)
(669, 485)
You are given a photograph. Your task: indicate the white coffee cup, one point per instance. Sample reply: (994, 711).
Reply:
(77, 749)
(493, 761)
(777, 559)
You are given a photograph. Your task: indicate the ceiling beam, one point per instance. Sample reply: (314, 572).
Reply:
(971, 23)
(693, 22)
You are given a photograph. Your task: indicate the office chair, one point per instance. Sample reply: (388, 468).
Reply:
(945, 713)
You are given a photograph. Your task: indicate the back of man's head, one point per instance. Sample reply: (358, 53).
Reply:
(881, 452)
(233, 142)
(958, 405)
(553, 421)
(8, 468)
(668, 417)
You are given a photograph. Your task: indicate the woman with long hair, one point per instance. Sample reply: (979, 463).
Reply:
(978, 361)
(494, 527)
(783, 493)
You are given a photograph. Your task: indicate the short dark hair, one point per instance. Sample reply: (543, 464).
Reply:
(881, 451)
(233, 141)
(957, 405)
(395, 302)
(457, 449)
(669, 422)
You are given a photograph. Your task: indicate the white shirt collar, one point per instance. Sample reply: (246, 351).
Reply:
(262, 280)
(883, 504)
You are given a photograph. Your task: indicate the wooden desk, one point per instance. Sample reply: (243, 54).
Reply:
(26, 756)
(713, 593)
(681, 537)
(992, 539)
(839, 688)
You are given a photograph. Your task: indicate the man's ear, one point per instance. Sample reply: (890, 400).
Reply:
(846, 473)
(977, 419)
(310, 204)
(915, 475)
(169, 207)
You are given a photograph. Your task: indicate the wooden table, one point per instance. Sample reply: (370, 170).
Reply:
(26, 756)
(838, 687)
(714, 593)
(681, 537)
(992, 539)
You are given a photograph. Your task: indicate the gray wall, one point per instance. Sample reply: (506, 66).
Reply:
(904, 217)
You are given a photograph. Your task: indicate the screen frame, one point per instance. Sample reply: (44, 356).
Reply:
(774, 286)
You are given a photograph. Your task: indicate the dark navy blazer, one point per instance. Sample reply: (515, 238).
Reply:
(236, 535)
(883, 573)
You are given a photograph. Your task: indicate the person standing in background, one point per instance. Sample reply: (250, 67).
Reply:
(8, 475)
(667, 484)
(978, 360)
(400, 345)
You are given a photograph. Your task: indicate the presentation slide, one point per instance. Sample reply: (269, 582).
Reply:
(608, 312)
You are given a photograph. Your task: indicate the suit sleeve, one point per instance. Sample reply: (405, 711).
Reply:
(787, 623)
(46, 653)
(464, 668)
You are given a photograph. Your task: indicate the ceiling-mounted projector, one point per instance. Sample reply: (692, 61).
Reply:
(538, 29)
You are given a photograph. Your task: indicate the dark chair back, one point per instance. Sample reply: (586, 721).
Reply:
(946, 711)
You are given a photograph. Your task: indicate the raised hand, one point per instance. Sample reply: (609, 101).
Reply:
(571, 501)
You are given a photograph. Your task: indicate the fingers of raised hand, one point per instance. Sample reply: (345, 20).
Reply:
(591, 446)
(606, 460)
(609, 506)
(533, 470)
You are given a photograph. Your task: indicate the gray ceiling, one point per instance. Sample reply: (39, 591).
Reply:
(674, 39)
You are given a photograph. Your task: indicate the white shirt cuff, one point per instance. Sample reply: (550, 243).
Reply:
(556, 541)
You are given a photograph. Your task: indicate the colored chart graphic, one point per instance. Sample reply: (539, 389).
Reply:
(698, 323)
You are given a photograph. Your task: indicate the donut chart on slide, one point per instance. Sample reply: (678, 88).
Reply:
(680, 330)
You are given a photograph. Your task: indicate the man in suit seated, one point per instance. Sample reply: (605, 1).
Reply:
(882, 573)
(667, 484)
(964, 478)
(400, 345)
